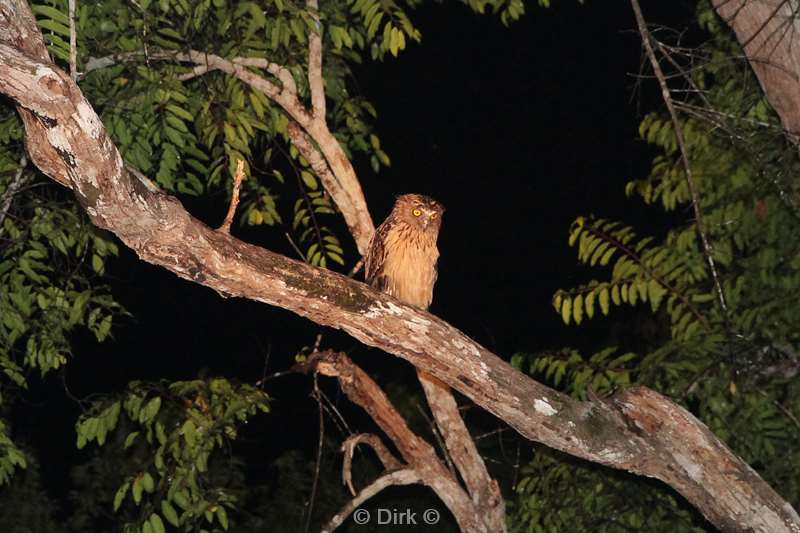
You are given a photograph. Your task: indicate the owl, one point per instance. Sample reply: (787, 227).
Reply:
(401, 260)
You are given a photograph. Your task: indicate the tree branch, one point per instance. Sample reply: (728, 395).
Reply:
(237, 185)
(340, 180)
(398, 477)
(315, 81)
(73, 42)
(389, 461)
(416, 452)
(708, 249)
(767, 31)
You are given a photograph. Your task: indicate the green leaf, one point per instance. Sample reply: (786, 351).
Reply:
(148, 484)
(577, 309)
(120, 495)
(150, 410)
(170, 513)
(51, 13)
(137, 490)
(222, 516)
(566, 310)
(189, 431)
(309, 180)
(129, 440)
(156, 523)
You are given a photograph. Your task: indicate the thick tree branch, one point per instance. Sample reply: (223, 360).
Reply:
(637, 430)
(768, 32)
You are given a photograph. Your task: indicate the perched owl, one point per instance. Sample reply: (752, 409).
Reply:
(401, 260)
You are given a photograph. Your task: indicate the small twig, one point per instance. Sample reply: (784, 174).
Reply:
(439, 440)
(73, 43)
(490, 433)
(237, 185)
(707, 247)
(398, 477)
(315, 483)
(317, 342)
(294, 245)
(260, 383)
(356, 268)
(19, 179)
(784, 410)
(335, 414)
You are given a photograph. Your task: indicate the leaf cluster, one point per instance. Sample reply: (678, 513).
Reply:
(174, 429)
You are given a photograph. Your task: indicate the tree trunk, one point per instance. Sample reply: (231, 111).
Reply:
(767, 31)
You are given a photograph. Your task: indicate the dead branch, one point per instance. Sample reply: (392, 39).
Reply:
(398, 477)
(416, 452)
(389, 461)
(708, 249)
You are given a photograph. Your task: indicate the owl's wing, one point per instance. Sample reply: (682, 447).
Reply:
(373, 262)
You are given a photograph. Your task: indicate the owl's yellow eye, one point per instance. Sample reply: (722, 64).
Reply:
(433, 215)
(416, 212)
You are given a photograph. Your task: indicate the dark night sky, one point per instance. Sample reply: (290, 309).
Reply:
(516, 131)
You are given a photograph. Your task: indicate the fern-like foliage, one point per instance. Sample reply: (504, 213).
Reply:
(641, 272)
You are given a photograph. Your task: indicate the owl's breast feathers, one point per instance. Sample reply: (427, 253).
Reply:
(402, 262)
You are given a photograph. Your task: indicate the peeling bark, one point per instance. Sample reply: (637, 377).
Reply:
(637, 430)
(767, 31)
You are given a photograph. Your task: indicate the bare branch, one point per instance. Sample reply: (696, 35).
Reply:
(417, 453)
(389, 461)
(337, 174)
(708, 249)
(484, 490)
(398, 477)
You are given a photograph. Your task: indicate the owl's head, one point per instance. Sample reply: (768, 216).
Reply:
(419, 211)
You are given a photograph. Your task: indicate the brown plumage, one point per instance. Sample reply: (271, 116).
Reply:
(401, 260)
